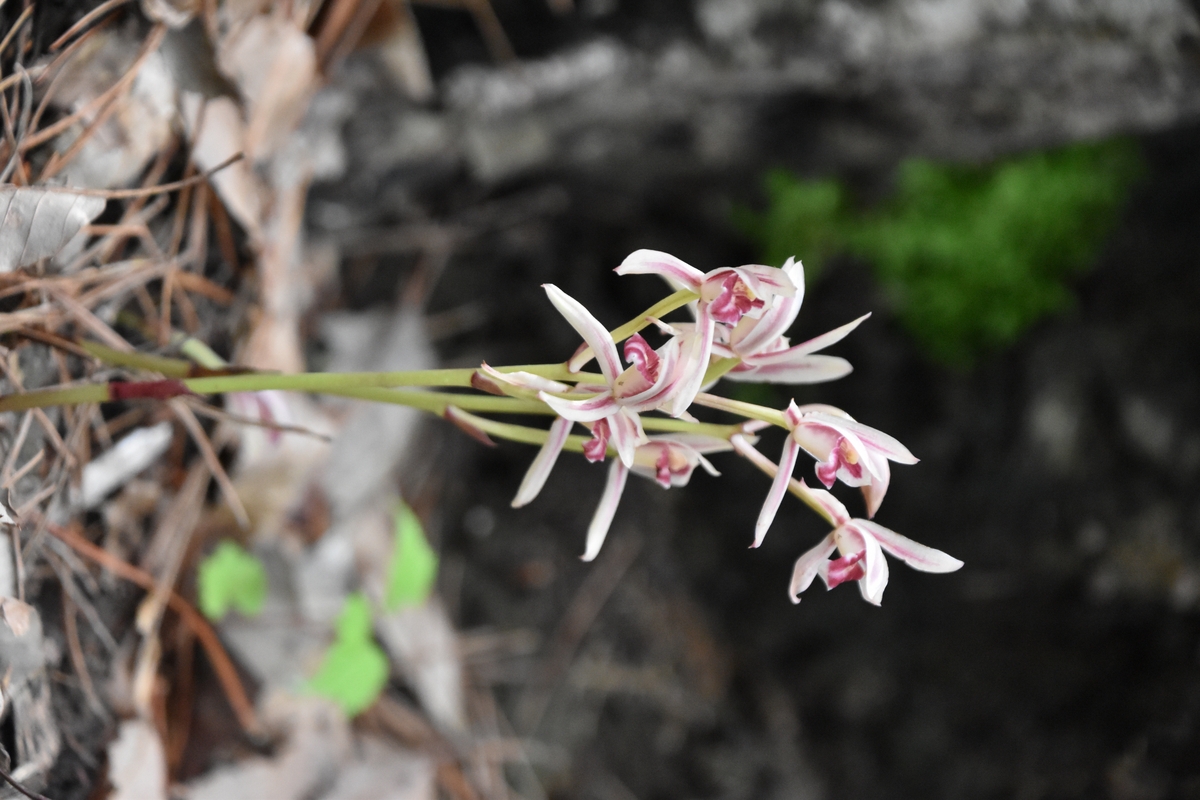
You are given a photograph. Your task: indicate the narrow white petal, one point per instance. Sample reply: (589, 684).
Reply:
(766, 281)
(587, 326)
(708, 467)
(779, 486)
(831, 337)
(679, 274)
(525, 380)
(696, 351)
(543, 462)
(788, 366)
(625, 434)
(879, 441)
(588, 410)
(808, 565)
(818, 439)
(874, 491)
(875, 569)
(916, 555)
(602, 519)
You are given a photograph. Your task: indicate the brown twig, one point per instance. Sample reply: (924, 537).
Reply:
(121, 194)
(227, 673)
(21, 20)
(100, 101)
(228, 491)
(11, 781)
(78, 661)
(574, 625)
(85, 20)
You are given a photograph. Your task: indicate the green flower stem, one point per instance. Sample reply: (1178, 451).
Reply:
(683, 426)
(316, 381)
(168, 367)
(798, 488)
(436, 402)
(748, 410)
(519, 433)
(719, 368)
(44, 398)
(663, 307)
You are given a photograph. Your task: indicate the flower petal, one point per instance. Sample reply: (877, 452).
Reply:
(587, 326)
(779, 486)
(880, 442)
(808, 565)
(695, 353)
(588, 410)
(523, 380)
(874, 491)
(625, 435)
(875, 567)
(764, 281)
(831, 337)
(606, 510)
(791, 366)
(918, 556)
(752, 336)
(543, 462)
(679, 274)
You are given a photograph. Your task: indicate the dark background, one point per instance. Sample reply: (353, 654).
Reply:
(1063, 660)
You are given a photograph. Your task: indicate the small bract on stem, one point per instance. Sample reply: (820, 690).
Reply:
(635, 411)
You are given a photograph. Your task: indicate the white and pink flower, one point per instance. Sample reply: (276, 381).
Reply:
(845, 450)
(653, 381)
(860, 545)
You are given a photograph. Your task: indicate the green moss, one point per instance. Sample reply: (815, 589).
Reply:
(971, 256)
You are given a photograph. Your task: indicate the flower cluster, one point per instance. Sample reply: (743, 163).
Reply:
(741, 316)
(738, 331)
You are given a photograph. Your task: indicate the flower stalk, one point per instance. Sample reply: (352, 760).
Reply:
(634, 411)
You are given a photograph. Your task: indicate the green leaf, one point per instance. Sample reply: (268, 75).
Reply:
(971, 255)
(354, 670)
(414, 564)
(231, 578)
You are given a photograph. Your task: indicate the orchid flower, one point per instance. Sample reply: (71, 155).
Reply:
(669, 459)
(650, 383)
(860, 545)
(845, 449)
(765, 353)
(726, 295)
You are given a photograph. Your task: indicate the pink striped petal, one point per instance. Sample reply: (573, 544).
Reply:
(602, 519)
(589, 410)
(874, 491)
(808, 565)
(852, 539)
(829, 338)
(879, 441)
(767, 281)
(625, 435)
(789, 366)
(752, 336)
(787, 462)
(587, 326)
(543, 462)
(917, 556)
(654, 262)
(695, 354)
(524, 380)
(634, 392)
